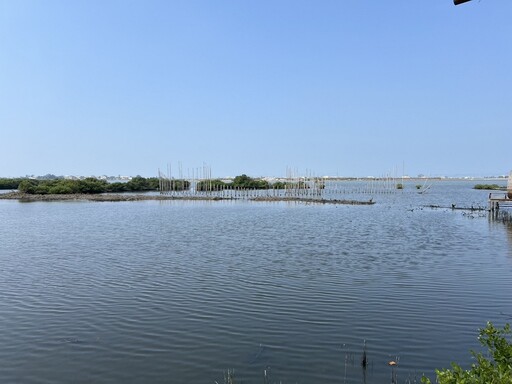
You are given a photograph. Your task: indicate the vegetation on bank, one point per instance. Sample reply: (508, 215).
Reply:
(239, 182)
(89, 185)
(490, 187)
(10, 183)
(495, 367)
(300, 184)
(174, 185)
(245, 182)
(211, 185)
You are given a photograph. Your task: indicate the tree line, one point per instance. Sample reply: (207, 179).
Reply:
(239, 182)
(6, 183)
(89, 185)
(245, 182)
(138, 184)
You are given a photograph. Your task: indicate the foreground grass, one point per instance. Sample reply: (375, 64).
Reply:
(490, 187)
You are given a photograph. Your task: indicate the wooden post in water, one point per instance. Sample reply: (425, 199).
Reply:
(509, 186)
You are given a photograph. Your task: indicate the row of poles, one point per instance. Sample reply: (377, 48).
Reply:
(200, 183)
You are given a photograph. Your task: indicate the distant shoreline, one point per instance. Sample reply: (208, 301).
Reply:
(111, 197)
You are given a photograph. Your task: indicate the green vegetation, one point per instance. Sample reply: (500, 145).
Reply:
(50, 184)
(44, 187)
(493, 368)
(491, 187)
(246, 182)
(239, 182)
(89, 185)
(281, 185)
(9, 183)
(175, 185)
(211, 185)
(139, 183)
(301, 184)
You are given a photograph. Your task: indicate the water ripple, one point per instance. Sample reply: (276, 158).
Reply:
(179, 292)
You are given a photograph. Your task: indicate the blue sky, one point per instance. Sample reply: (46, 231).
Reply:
(345, 87)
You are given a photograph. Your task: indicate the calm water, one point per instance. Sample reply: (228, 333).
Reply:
(179, 292)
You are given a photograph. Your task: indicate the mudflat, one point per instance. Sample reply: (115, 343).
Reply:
(139, 197)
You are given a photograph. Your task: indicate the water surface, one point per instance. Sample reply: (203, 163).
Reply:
(179, 292)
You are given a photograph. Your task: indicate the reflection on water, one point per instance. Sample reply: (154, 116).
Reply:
(182, 291)
(508, 226)
(501, 220)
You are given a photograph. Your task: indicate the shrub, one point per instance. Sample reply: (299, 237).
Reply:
(27, 186)
(492, 187)
(493, 368)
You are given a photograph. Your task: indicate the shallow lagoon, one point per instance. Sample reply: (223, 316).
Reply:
(179, 292)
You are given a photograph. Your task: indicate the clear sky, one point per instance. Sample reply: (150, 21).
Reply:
(341, 87)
